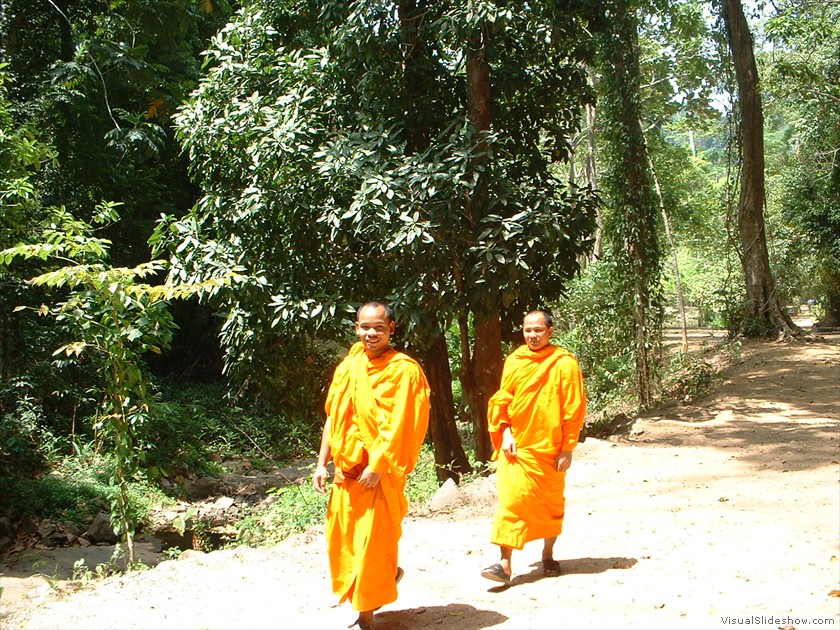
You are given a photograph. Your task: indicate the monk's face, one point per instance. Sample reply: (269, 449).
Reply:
(374, 330)
(536, 333)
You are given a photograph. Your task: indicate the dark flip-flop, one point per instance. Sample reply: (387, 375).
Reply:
(496, 573)
(551, 568)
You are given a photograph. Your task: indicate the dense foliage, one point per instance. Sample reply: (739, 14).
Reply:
(283, 161)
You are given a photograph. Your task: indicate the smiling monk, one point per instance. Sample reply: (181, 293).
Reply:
(534, 420)
(377, 415)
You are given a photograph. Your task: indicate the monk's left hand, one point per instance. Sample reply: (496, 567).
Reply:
(369, 479)
(564, 460)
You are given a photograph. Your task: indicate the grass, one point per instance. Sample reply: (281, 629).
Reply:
(296, 508)
(76, 490)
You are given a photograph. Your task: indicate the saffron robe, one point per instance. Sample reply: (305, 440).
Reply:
(543, 400)
(378, 415)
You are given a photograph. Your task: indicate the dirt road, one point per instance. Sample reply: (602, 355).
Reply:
(720, 514)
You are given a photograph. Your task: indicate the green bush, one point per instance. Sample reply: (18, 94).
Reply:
(295, 509)
(25, 442)
(77, 489)
(590, 321)
(198, 423)
(422, 483)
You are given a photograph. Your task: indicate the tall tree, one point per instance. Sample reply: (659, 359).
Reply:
(420, 89)
(481, 372)
(632, 222)
(764, 310)
(303, 138)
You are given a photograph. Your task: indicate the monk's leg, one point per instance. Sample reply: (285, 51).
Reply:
(507, 554)
(551, 568)
(548, 548)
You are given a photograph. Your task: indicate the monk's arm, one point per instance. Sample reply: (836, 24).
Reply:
(319, 479)
(574, 411)
(498, 420)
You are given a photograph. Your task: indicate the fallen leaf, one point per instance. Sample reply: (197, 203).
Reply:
(834, 593)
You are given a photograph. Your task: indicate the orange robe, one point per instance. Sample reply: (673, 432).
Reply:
(379, 412)
(543, 400)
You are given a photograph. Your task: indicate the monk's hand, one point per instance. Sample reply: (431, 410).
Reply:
(369, 479)
(319, 479)
(508, 443)
(564, 460)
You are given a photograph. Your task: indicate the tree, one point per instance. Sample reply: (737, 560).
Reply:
(421, 90)
(801, 76)
(317, 181)
(764, 310)
(632, 222)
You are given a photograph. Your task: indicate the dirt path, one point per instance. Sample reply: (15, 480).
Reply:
(720, 514)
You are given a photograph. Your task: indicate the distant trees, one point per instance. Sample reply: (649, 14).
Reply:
(801, 79)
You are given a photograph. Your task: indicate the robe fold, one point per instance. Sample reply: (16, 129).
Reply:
(543, 400)
(379, 412)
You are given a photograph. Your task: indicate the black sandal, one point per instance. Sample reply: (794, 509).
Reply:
(496, 573)
(551, 568)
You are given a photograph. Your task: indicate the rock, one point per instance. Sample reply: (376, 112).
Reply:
(191, 553)
(70, 528)
(223, 503)
(481, 492)
(292, 474)
(28, 525)
(447, 496)
(101, 531)
(205, 487)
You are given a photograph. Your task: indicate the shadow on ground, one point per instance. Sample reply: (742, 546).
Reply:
(462, 616)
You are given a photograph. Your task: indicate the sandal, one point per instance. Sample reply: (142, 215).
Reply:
(551, 568)
(496, 573)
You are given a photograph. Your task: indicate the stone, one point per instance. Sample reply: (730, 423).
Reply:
(205, 487)
(101, 531)
(447, 496)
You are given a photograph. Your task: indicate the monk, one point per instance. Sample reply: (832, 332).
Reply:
(535, 420)
(377, 415)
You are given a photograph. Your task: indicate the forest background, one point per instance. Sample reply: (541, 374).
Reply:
(196, 195)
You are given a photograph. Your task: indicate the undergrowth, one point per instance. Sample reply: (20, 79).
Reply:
(294, 509)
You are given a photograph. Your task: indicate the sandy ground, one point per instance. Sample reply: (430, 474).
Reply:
(724, 513)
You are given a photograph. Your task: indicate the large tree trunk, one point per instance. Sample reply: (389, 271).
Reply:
(764, 307)
(450, 457)
(486, 366)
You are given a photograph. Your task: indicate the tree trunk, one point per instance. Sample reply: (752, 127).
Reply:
(591, 168)
(764, 310)
(633, 220)
(487, 376)
(450, 457)
(667, 223)
(486, 365)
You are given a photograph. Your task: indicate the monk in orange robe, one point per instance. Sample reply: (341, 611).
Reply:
(377, 415)
(535, 420)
